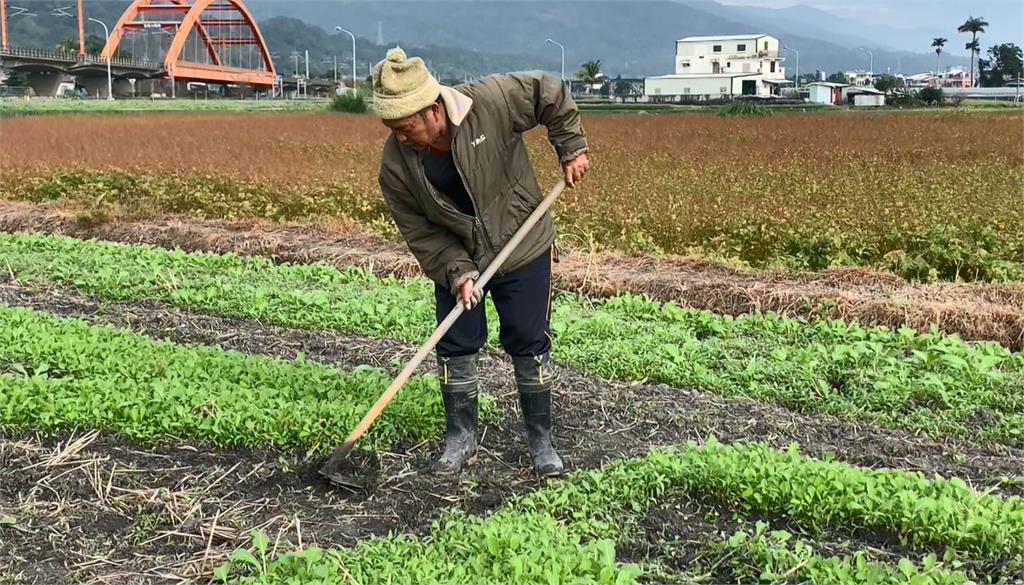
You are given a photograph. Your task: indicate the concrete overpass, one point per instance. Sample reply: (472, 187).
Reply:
(47, 69)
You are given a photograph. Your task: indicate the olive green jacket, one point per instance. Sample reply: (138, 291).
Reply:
(488, 120)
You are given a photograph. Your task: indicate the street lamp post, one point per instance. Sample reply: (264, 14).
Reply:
(871, 62)
(354, 74)
(797, 64)
(560, 46)
(110, 78)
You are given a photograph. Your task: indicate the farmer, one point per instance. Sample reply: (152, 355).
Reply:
(457, 180)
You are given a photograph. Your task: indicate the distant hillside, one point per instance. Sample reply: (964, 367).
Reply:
(459, 38)
(286, 35)
(632, 38)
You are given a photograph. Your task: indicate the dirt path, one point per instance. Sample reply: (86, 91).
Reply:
(103, 510)
(974, 311)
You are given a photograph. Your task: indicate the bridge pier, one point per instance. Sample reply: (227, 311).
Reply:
(94, 85)
(45, 83)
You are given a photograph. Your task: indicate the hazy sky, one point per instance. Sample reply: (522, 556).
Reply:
(1006, 17)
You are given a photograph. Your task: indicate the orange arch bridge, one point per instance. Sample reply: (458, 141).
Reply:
(215, 41)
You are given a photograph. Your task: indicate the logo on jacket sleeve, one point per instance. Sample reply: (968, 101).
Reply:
(477, 141)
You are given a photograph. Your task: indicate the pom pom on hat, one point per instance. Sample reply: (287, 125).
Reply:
(402, 86)
(396, 55)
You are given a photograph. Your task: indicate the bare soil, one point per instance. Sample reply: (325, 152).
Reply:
(975, 311)
(94, 508)
(672, 539)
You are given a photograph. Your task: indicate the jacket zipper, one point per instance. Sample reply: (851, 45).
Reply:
(441, 202)
(479, 220)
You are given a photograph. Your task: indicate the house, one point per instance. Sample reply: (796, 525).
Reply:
(860, 78)
(863, 97)
(719, 67)
(919, 80)
(952, 77)
(822, 92)
(955, 77)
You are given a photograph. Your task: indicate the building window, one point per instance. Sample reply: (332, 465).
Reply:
(723, 90)
(741, 48)
(728, 63)
(686, 91)
(686, 64)
(773, 66)
(716, 48)
(766, 45)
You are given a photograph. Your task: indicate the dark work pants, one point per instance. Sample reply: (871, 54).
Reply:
(523, 300)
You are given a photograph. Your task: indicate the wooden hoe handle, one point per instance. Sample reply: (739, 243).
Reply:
(443, 328)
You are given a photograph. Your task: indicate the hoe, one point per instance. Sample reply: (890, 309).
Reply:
(333, 469)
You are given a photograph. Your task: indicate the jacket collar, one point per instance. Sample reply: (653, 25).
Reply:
(457, 104)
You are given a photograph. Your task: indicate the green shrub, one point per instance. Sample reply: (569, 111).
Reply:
(931, 95)
(349, 103)
(745, 108)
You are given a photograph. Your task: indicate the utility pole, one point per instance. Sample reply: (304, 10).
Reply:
(81, 30)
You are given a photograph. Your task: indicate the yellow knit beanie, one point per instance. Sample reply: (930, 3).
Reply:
(401, 86)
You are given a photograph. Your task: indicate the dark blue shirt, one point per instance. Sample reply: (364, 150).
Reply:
(442, 174)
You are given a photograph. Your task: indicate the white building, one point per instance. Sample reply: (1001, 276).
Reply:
(860, 78)
(721, 67)
(866, 97)
(823, 92)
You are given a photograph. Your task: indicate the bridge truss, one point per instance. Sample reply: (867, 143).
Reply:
(213, 41)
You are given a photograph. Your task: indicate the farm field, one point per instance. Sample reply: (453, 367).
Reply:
(15, 107)
(790, 351)
(299, 339)
(926, 197)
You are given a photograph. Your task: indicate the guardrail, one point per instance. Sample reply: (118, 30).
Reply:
(73, 58)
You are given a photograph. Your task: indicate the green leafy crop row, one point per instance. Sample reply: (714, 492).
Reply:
(754, 479)
(508, 547)
(568, 532)
(60, 374)
(933, 383)
(769, 557)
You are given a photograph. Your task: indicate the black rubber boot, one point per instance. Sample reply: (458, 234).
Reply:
(459, 391)
(536, 378)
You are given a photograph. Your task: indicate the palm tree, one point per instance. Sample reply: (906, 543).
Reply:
(974, 26)
(974, 47)
(590, 73)
(938, 43)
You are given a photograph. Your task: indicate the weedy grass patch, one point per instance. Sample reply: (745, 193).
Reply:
(60, 374)
(933, 383)
(568, 532)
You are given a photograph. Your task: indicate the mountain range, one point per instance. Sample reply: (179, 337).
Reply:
(459, 38)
